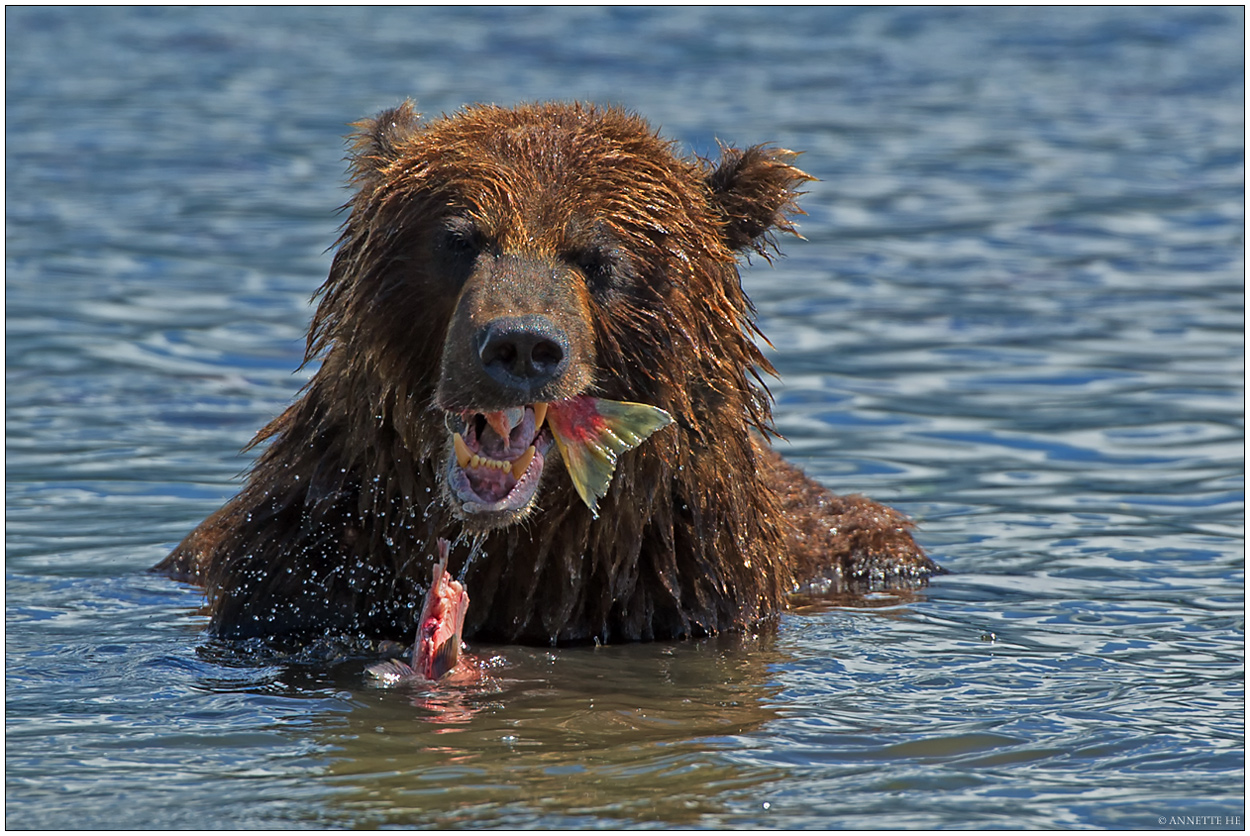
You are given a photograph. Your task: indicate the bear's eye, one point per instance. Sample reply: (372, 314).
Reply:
(596, 265)
(457, 245)
(605, 270)
(460, 238)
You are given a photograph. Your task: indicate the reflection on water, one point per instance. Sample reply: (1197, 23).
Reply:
(1018, 315)
(571, 733)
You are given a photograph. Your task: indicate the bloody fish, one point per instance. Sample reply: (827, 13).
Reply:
(592, 432)
(437, 648)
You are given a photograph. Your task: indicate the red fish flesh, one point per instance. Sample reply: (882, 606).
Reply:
(437, 648)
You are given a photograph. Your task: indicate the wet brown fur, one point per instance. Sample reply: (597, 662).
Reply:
(586, 214)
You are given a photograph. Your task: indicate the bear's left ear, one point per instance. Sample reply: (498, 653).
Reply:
(755, 191)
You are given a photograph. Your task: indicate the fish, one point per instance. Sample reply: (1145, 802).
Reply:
(497, 457)
(592, 432)
(439, 643)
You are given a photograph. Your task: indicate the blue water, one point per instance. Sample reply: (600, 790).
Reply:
(1018, 315)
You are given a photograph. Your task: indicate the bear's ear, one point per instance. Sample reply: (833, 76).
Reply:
(376, 142)
(755, 191)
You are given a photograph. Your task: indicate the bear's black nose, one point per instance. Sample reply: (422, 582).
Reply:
(523, 353)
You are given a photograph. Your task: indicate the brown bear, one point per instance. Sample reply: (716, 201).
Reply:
(501, 268)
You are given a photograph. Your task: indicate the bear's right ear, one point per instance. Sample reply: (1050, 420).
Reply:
(755, 191)
(376, 142)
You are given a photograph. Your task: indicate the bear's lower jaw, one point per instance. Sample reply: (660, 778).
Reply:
(484, 497)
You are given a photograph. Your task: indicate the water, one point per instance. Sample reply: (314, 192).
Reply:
(1018, 316)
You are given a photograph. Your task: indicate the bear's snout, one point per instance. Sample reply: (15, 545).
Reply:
(523, 354)
(521, 333)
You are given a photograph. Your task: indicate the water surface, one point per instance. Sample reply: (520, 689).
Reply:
(1017, 315)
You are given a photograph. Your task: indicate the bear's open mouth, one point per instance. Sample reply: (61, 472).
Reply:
(497, 459)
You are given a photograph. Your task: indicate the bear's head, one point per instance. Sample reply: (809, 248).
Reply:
(499, 261)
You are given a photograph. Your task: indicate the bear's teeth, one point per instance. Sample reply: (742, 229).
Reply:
(540, 415)
(467, 459)
(462, 450)
(522, 463)
(482, 461)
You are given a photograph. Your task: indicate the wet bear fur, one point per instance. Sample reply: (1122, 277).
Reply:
(585, 216)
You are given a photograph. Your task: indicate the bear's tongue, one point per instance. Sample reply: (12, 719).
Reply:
(590, 433)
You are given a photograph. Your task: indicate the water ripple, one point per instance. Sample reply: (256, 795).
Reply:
(1018, 314)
